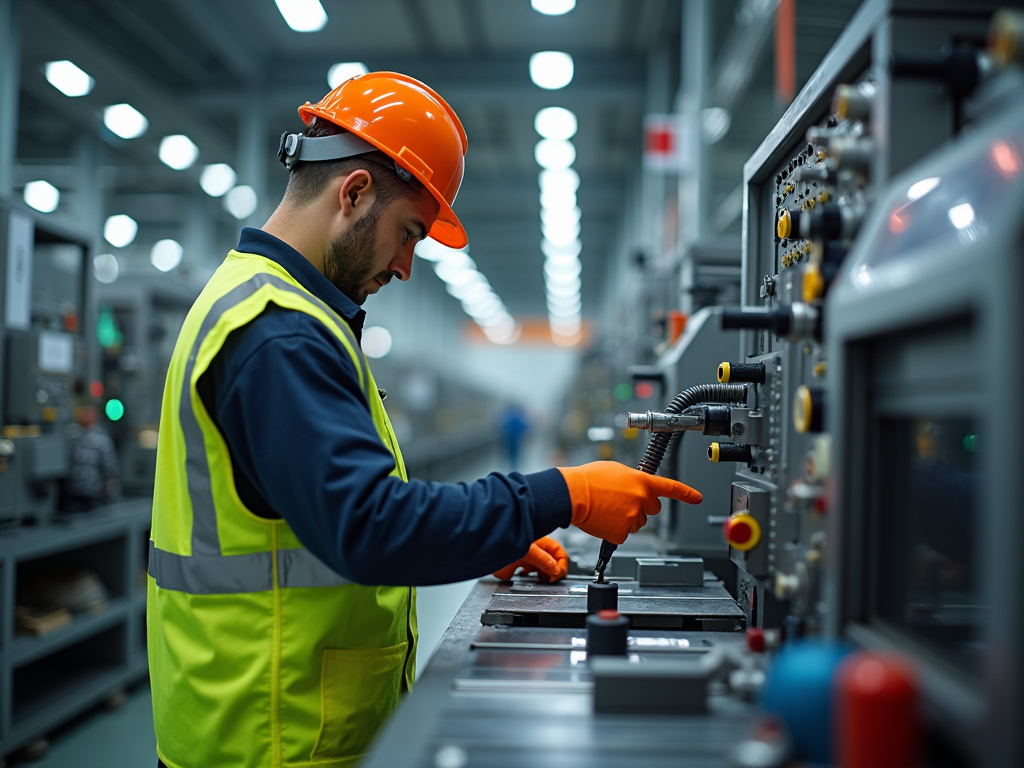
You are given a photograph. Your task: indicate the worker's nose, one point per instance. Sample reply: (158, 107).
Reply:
(401, 265)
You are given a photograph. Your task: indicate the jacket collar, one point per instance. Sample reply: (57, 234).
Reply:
(257, 241)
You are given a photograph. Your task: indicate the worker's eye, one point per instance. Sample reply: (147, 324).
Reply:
(409, 235)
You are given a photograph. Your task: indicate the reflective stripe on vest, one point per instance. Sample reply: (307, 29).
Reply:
(206, 571)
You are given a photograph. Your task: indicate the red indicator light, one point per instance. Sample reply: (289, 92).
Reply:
(96, 389)
(644, 389)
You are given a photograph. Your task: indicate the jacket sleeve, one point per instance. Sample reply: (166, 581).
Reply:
(297, 424)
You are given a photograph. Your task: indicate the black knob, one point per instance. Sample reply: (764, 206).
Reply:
(607, 634)
(602, 597)
(739, 372)
(722, 452)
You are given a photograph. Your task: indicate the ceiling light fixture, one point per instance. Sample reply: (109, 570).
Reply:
(553, 7)
(166, 255)
(178, 151)
(42, 196)
(68, 78)
(556, 123)
(303, 15)
(125, 121)
(106, 268)
(565, 181)
(554, 155)
(241, 202)
(551, 70)
(120, 230)
(217, 179)
(345, 70)
(376, 342)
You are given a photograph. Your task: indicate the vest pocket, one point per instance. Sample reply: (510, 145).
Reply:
(359, 689)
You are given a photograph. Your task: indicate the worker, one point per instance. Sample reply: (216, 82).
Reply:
(287, 539)
(92, 473)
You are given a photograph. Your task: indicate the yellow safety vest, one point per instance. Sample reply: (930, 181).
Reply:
(260, 655)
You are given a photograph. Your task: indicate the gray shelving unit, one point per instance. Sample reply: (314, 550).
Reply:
(49, 679)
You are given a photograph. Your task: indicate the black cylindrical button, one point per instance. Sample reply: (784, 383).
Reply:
(607, 633)
(825, 223)
(740, 372)
(741, 318)
(717, 420)
(602, 597)
(722, 452)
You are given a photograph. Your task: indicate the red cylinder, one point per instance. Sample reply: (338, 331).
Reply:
(877, 720)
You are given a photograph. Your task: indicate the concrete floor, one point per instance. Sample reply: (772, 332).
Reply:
(123, 738)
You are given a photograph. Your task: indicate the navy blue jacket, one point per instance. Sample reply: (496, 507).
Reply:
(304, 447)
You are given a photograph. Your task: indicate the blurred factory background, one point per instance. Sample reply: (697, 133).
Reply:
(604, 197)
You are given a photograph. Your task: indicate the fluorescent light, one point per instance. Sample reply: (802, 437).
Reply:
(376, 342)
(565, 311)
(923, 187)
(554, 155)
(241, 202)
(551, 70)
(303, 15)
(345, 70)
(217, 179)
(566, 302)
(553, 251)
(562, 271)
(564, 234)
(962, 215)
(553, 217)
(125, 121)
(431, 250)
(600, 434)
(714, 124)
(465, 277)
(166, 255)
(106, 268)
(556, 201)
(120, 230)
(454, 265)
(482, 311)
(178, 151)
(69, 79)
(564, 288)
(565, 181)
(553, 7)
(556, 123)
(472, 293)
(42, 196)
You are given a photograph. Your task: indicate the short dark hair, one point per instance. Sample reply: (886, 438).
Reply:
(307, 181)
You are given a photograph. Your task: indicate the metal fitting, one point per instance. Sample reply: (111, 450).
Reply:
(657, 421)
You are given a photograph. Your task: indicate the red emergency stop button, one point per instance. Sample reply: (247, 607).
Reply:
(742, 532)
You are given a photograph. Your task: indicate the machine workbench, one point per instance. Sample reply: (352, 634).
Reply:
(523, 695)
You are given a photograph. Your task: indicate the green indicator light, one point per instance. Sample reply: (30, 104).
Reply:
(106, 329)
(970, 443)
(114, 409)
(623, 392)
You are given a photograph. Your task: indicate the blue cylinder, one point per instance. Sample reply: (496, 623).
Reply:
(799, 690)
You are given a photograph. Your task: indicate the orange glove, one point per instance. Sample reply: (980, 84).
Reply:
(611, 501)
(546, 556)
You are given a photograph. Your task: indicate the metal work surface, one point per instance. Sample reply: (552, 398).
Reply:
(510, 696)
(529, 603)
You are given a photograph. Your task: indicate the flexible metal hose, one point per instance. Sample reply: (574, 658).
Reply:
(702, 393)
(651, 461)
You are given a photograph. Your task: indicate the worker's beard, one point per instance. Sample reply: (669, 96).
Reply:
(349, 260)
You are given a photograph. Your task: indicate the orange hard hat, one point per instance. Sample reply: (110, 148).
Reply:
(414, 126)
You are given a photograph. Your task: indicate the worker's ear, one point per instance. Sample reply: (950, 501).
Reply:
(357, 193)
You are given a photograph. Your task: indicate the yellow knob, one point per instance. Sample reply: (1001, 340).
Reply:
(821, 154)
(785, 226)
(723, 373)
(802, 409)
(820, 368)
(789, 189)
(814, 283)
(824, 197)
(842, 101)
(714, 452)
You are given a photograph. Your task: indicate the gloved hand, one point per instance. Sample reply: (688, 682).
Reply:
(546, 556)
(611, 501)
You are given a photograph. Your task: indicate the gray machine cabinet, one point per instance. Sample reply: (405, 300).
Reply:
(926, 330)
